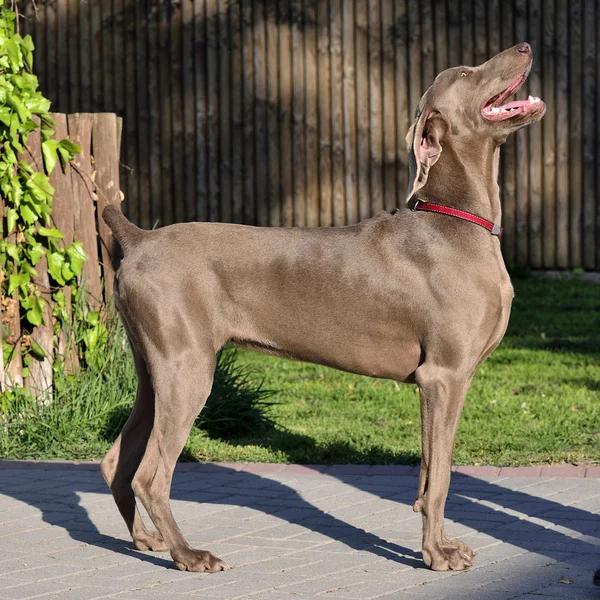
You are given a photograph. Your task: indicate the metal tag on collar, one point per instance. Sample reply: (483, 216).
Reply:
(496, 229)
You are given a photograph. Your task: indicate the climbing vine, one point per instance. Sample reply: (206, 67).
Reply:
(29, 232)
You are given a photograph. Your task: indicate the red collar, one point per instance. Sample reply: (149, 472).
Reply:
(420, 204)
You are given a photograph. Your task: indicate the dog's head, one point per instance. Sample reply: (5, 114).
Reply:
(468, 103)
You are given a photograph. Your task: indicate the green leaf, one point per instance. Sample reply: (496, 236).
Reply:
(56, 260)
(93, 318)
(27, 214)
(59, 298)
(21, 109)
(35, 315)
(11, 219)
(50, 156)
(77, 257)
(12, 251)
(67, 273)
(5, 115)
(35, 252)
(40, 187)
(16, 281)
(51, 233)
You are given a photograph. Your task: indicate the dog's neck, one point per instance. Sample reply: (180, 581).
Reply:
(467, 178)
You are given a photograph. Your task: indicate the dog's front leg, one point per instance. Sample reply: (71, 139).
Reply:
(442, 398)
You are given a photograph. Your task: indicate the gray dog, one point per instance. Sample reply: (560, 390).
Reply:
(414, 296)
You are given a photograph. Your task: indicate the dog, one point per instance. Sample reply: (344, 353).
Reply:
(419, 296)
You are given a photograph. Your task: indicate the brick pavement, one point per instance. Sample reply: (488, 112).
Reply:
(295, 532)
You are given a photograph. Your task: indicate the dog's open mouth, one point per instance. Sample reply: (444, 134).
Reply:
(494, 110)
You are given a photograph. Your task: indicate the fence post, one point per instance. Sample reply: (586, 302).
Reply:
(104, 146)
(39, 381)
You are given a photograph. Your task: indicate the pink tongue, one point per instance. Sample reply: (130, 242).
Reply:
(515, 104)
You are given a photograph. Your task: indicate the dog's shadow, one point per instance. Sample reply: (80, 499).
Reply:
(484, 506)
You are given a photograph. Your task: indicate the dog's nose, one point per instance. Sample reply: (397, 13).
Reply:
(524, 48)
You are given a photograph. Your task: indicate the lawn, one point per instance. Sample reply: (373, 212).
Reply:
(535, 400)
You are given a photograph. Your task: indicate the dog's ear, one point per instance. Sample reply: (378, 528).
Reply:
(424, 147)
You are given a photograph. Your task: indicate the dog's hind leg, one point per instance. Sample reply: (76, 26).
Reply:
(182, 385)
(122, 460)
(442, 398)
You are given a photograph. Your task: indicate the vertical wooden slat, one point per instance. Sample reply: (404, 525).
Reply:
(80, 131)
(589, 181)
(480, 31)
(62, 27)
(40, 55)
(10, 323)
(97, 49)
(325, 108)
(108, 27)
(548, 59)
(389, 116)
(154, 118)
(562, 135)
(349, 103)
(39, 381)
(143, 140)
(188, 95)
(454, 33)
(575, 133)
(597, 116)
(51, 50)
(64, 219)
(466, 32)
(248, 66)
(73, 56)
(362, 108)
(522, 157)
(440, 45)
(494, 20)
(311, 97)
(120, 90)
(105, 152)
(298, 115)
(403, 116)
(414, 55)
(273, 100)
(166, 106)
(261, 160)
(427, 39)
(285, 113)
(507, 155)
(226, 92)
(375, 120)
(130, 123)
(212, 92)
(85, 51)
(337, 113)
(535, 156)
(237, 119)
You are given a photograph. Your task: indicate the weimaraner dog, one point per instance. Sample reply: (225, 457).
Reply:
(417, 296)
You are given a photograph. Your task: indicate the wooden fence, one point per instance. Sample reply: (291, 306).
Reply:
(294, 112)
(82, 190)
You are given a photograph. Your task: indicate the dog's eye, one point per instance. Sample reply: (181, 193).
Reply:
(464, 73)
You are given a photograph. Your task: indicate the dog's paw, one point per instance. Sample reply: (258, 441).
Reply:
(150, 541)
(200, 561)
(451, 555)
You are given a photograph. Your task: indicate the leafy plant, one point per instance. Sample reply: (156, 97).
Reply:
(27, 194)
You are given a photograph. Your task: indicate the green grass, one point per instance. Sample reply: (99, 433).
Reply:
(535, 400)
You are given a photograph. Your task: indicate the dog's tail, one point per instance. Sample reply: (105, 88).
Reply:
(126, 234)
